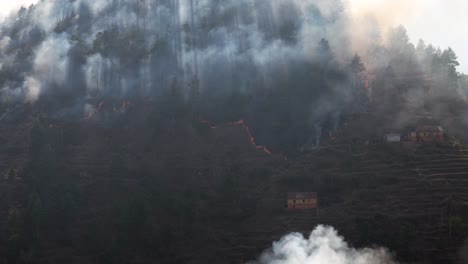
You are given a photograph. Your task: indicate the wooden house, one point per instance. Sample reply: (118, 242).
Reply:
(302, 200)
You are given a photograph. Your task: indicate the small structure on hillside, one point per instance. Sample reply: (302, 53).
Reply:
(393, 138)
(302, 200)
(427, 134)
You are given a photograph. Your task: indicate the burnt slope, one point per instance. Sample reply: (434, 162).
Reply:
(148, 188)
(150, 184)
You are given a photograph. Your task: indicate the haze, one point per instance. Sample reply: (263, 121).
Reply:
(7, 6)
(199, 131)
(438, 22)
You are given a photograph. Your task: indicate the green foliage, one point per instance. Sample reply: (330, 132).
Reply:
(128, 46)
(449, 58)
(357, 66)
(288, 31)
(399, 40)
(107, 42)
(10, 73)
(64, 24)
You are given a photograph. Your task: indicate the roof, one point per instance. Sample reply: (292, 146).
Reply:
(302, 195)
(429, 129)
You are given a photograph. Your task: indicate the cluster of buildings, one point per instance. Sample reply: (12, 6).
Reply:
(422, 133)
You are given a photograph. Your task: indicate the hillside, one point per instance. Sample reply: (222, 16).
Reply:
(181, 190)
(173, 131)
(80, 191)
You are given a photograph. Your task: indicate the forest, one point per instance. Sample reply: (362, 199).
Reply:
(126, 128)
(288, 68)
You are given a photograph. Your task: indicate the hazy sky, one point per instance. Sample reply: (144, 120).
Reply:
(6, 6)
(439, 22)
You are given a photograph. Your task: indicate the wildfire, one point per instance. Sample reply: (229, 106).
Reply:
(247, 130)
(100, 107)
(368, 90)
(206, 122)
(252, 140)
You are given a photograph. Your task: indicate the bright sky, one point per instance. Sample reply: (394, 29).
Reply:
(6, 6)
(440, 22)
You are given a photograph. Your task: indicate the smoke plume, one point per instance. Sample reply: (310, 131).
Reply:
(297, 67)
(141, 46)
(324, 246)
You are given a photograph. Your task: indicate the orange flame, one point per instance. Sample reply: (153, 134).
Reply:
(369, 93)
(100, 106)
(252, 139)
(206, 122)
(116, 107)
(366, 84)
(93, 113)
(247, 130)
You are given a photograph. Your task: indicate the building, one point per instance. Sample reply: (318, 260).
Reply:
(427, 134)
(302, 200)
(393, 138)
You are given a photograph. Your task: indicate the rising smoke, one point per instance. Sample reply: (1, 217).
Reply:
(324, 246)
(243, 43)
(290, 63)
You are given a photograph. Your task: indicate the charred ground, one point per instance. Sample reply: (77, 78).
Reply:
(146, 187)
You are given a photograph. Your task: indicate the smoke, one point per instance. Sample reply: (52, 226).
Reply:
(243, 42)
(203, 35)
(119, 49)
(324, 246)
(9, 6)
(50, 66)
(387, 13)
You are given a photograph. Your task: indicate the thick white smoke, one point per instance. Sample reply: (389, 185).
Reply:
(50, 66)
(249, 41)
(118, 48)
(324, 246)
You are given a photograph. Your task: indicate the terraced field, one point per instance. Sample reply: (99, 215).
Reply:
(411, 192)
(412, 199)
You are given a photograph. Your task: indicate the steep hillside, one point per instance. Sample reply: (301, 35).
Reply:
(149, 188)
(82, 191)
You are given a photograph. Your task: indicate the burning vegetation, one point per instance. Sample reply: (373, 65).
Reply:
(291, 91)
(107, 154)
(244, 126)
